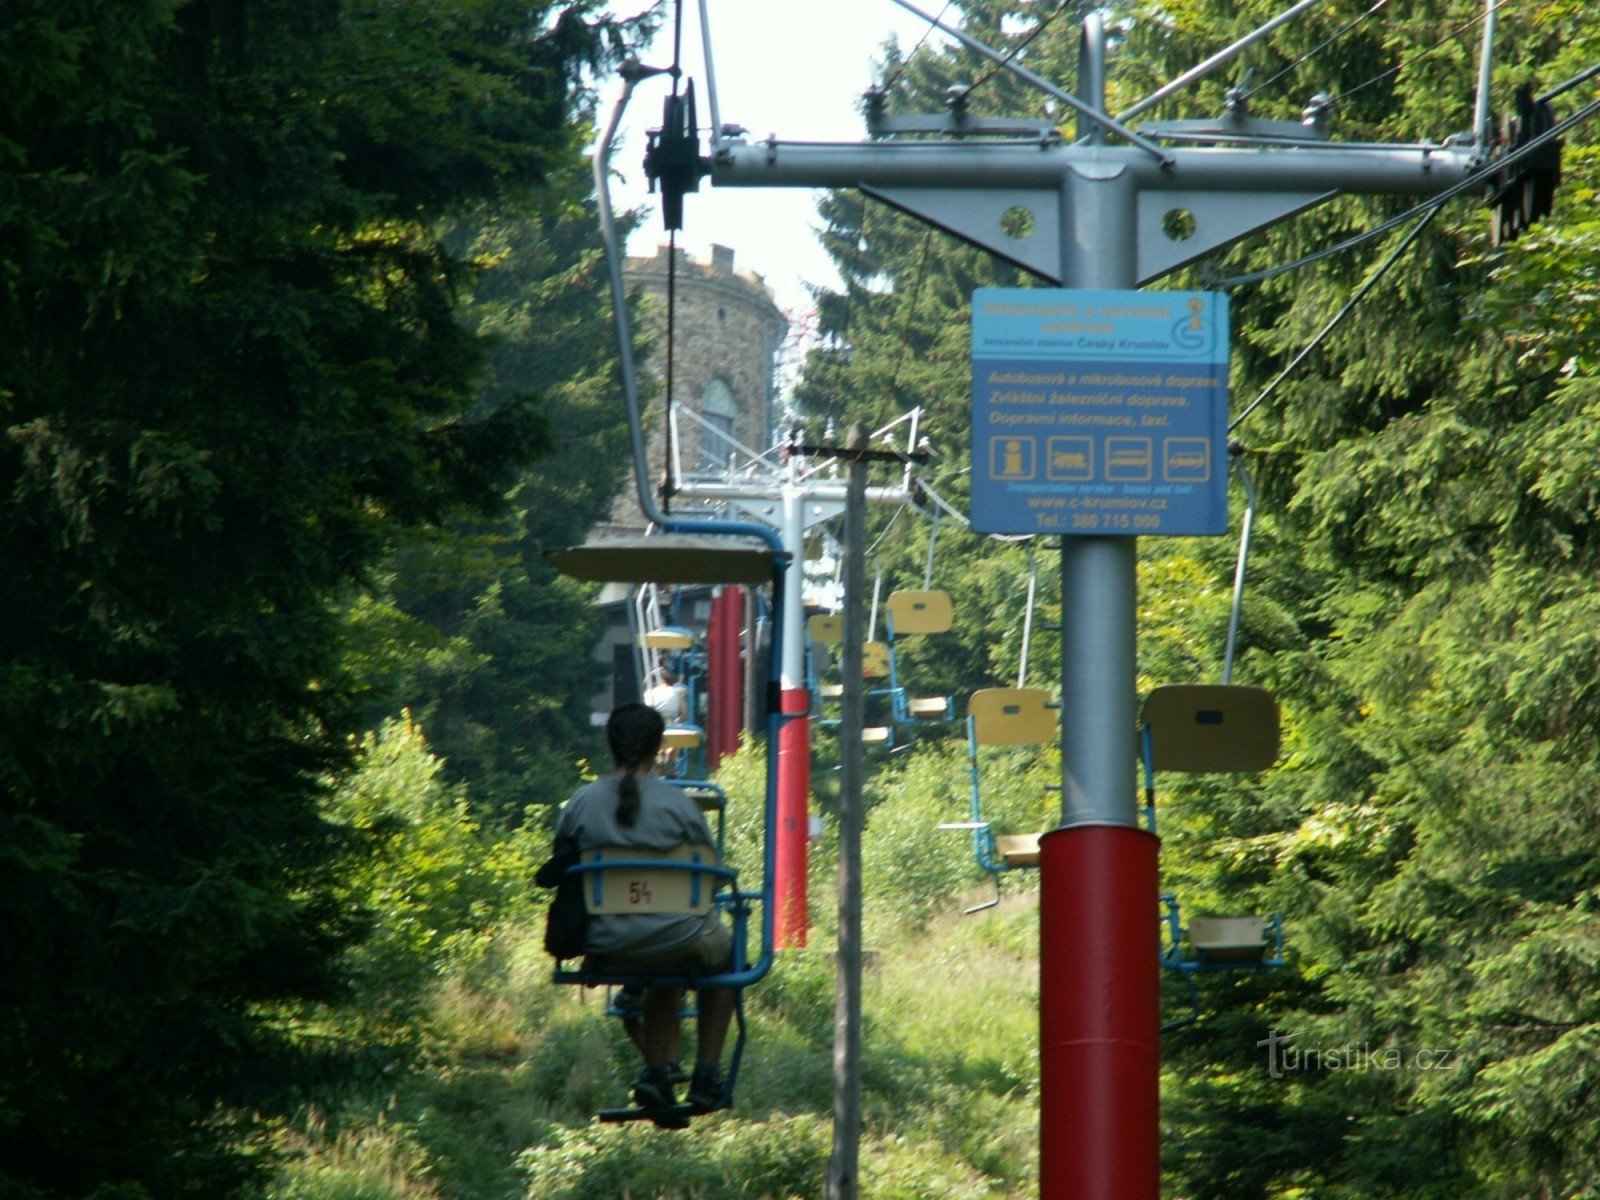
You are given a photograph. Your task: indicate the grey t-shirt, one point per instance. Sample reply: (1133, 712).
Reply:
(666, 818)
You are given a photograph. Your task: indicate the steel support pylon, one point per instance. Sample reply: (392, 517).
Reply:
(1099, 217)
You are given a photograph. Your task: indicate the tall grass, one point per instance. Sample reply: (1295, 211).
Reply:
(501, 1102)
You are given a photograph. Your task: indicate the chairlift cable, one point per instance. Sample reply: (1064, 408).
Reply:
(1349, 306)
(1476, 180)
(899, 511)
(1420, 54)
(906, 61)
(1316, 50)
(1027, 618)
(995, 69)
(911, 313)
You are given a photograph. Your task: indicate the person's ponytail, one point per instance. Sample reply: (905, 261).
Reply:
(628, 797)
(634, 732)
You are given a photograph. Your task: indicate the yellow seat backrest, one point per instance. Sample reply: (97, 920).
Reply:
(1212, 727)
(920, 612)
(647, 888)
(826, 628)
(875, 660)
(1012, 717)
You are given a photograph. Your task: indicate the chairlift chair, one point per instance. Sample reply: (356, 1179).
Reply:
(1003, 717)
(1201, 729)
(918, 613)
(674, 883)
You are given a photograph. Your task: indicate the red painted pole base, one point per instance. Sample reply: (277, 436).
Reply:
(792, 919)
(1099, 1015)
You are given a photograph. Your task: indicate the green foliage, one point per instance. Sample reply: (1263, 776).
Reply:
(234, 370)
(773, 1160)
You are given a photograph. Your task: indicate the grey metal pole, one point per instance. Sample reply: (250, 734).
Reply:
(842, 1182)
(1098, 604)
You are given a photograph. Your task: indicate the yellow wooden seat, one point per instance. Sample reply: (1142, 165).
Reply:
(644, 887)
(929, 708)
(668, 637)
(1011, 717)
(826, 628)
(1018, 849)
(682, 737)
(710, 799)
(1204, 728)
(1228, 939)
(920, 612)
(875, 735)
(830, 691)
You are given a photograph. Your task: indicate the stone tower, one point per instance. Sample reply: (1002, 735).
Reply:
(727, 334)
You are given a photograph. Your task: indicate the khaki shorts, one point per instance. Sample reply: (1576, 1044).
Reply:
(710, 950)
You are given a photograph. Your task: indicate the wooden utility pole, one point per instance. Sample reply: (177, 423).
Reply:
(842, 1167)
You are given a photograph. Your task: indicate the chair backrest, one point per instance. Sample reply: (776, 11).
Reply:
(826, 628)
(920, 612)
(650, 881)
(875, 660)
(1204, 728)
(1011, 717)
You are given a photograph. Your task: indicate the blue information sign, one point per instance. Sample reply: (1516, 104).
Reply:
(1099, 412)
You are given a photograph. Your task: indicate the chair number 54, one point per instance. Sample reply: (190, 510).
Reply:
(638, 892)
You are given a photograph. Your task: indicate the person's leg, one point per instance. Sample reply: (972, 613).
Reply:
(716, 1014)
(660, 1035)
(706, 1088)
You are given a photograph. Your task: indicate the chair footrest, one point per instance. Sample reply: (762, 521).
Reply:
(678, 1114)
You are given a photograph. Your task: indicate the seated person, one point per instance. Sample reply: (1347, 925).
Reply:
(669, 698)
(633, 808)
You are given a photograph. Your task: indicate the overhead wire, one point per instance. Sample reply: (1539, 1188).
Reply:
(1419, 55)
(926, 33)
(1476, 180)
(1043, 24)
(1361, 293)
(1316, 50)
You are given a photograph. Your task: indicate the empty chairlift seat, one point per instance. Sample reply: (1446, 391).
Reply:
(1005, 717)
(668, 637)
(1228, 939)
(1011, 717)
(682, 737)
(915, 613)
(826, 628)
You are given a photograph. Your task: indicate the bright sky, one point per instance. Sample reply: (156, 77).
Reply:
(796, 68)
